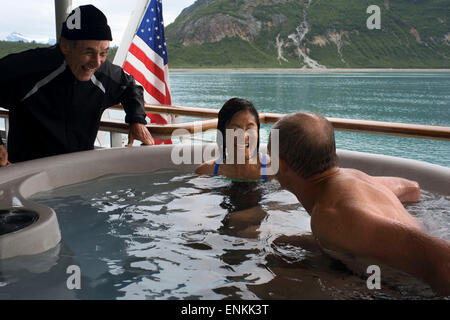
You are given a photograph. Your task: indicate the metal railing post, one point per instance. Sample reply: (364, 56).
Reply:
(116, 139)
(6, 128)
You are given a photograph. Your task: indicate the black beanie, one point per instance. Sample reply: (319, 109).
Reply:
(86, 23)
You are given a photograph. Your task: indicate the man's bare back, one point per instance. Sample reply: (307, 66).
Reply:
(360, 216)
(375, 195)
(352, 213)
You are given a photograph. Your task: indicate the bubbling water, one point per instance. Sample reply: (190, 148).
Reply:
(434, 212)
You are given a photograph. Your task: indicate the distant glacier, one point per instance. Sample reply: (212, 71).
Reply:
(16, 37)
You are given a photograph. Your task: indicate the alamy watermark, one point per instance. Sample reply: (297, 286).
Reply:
(374, 21)
(237, 142)
(74, 280)
(74, 20)
(374, 280)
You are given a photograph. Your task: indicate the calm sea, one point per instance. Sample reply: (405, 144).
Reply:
(422, 98)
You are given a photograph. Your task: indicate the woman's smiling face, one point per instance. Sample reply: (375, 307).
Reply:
(243, 123)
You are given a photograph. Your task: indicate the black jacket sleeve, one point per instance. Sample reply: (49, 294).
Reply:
(19, 72)
(11, 72)
(132, 100)
(122, 88)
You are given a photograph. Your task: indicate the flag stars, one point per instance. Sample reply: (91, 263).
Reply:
(152, 29)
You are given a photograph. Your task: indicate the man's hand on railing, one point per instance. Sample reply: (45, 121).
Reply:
(3, 156)
(139, 132)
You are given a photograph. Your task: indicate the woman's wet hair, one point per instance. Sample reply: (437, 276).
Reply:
(226, 113)
(306, 143)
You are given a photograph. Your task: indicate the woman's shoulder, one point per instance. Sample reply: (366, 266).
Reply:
(206, 167)
(264, 157)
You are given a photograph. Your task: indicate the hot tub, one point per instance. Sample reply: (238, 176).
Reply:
(40, 234)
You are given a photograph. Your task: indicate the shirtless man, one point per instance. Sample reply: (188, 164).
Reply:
(352, 213)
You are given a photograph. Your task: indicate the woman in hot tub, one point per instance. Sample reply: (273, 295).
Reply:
(240, 162)
(240, 158)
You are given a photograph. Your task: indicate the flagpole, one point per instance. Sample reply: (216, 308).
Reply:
(62, 9)
(130, 31)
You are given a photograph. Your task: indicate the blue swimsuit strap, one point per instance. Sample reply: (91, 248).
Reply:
(216, 168)
(264, 175)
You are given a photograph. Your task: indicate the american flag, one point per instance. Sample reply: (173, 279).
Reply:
(147, 61)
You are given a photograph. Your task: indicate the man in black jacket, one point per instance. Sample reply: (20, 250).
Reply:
(56, 96)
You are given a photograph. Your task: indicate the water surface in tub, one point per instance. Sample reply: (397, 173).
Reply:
(175, 235)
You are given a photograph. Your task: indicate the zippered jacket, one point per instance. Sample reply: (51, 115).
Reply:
(51, 112)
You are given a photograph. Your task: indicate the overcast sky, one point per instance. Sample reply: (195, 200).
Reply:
(36, 18)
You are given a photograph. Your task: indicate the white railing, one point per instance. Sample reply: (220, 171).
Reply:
(116, 128)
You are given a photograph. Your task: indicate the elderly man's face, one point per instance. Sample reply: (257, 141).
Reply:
(84, 57)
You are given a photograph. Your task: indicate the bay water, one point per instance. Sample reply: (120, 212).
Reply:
(420, 98)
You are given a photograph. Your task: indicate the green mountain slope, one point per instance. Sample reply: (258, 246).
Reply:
(310, 33)
(7, 47)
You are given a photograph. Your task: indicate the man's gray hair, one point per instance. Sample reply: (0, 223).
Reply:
(306, 143)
